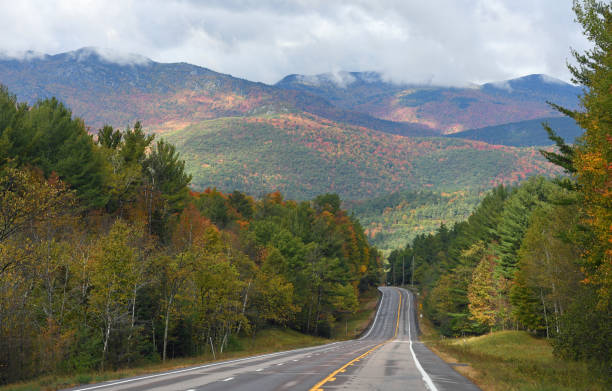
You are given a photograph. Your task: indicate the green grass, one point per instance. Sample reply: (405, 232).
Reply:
(514, 360)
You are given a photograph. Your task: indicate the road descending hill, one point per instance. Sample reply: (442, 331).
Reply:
(387, 357)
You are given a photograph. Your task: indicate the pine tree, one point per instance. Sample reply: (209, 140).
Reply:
(593, 155)
(515, 221)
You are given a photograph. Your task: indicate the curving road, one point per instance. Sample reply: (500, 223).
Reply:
(387, 357)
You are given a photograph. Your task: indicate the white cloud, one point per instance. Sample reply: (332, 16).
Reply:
(438, 41)
(504, 85)
(551, 80)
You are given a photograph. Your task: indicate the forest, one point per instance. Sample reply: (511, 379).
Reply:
(536, 257)
(391, 220)
(109, 260)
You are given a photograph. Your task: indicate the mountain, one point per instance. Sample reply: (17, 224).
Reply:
(524, 133)
(450, 109)
(106, 87)
(307, 135)
(303, 155)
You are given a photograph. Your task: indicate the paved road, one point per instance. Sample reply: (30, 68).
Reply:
(387, 357)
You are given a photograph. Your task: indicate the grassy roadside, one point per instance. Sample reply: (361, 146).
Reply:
(511, 360)
(265, 341)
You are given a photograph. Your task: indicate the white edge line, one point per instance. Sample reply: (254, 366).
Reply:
(428, 382)
(239, 360)
(375, 317)
(200, 367)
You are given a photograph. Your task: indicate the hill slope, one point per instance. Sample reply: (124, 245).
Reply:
(450, 109)
(304, 137)
(391, 221)
(524, 133)
(305, 155)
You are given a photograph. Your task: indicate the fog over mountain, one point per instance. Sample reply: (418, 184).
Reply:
(440, 42)
(105, 86)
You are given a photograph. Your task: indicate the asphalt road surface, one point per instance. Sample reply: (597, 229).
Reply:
(387, 357)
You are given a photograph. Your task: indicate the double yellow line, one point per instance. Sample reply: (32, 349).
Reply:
(332, 376)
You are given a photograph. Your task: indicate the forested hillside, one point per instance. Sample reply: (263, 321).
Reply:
(391, 220)
(309, 135)
(108, 259)
(305, 155)
(537, 257)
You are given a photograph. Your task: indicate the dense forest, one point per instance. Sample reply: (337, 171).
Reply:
(391, 220)
(536, 257)
(107, 259)
(306, 155)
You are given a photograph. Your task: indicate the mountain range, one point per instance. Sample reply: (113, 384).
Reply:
(353, 133)
(106, 87)
(446, 109)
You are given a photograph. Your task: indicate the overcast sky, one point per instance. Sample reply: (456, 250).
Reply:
(438, 41)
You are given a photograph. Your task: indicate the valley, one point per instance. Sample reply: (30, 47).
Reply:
(352, 133)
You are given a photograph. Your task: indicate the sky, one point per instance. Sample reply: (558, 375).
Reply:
(442, 42)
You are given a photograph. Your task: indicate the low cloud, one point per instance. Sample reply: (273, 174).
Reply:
(452, 42)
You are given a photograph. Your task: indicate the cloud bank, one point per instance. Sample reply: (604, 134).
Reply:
(452, 42)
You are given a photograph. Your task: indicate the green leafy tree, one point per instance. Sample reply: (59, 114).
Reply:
(547, 262)
(112, 278)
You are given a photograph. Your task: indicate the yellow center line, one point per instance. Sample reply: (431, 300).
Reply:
(331, 377)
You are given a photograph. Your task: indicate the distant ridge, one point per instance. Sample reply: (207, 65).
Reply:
(450, 109)
(524, 133)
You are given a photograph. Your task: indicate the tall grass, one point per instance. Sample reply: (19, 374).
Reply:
(515, 360)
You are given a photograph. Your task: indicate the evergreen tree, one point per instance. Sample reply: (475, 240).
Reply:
(167, 175)
(515, 221)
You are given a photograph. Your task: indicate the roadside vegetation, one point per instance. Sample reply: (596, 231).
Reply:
(108, 260)
(268, 340)
(535, 258)
(513, 360)
(265, 341)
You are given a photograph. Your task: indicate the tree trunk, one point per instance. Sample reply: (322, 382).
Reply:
(223, 341)
(244, 304)
(318, 308)
(153, 334)
(106, 338)
(132, 319)
(212, 347)
(166, 328)
(545, 313)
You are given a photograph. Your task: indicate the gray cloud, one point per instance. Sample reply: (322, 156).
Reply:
(438, 41)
